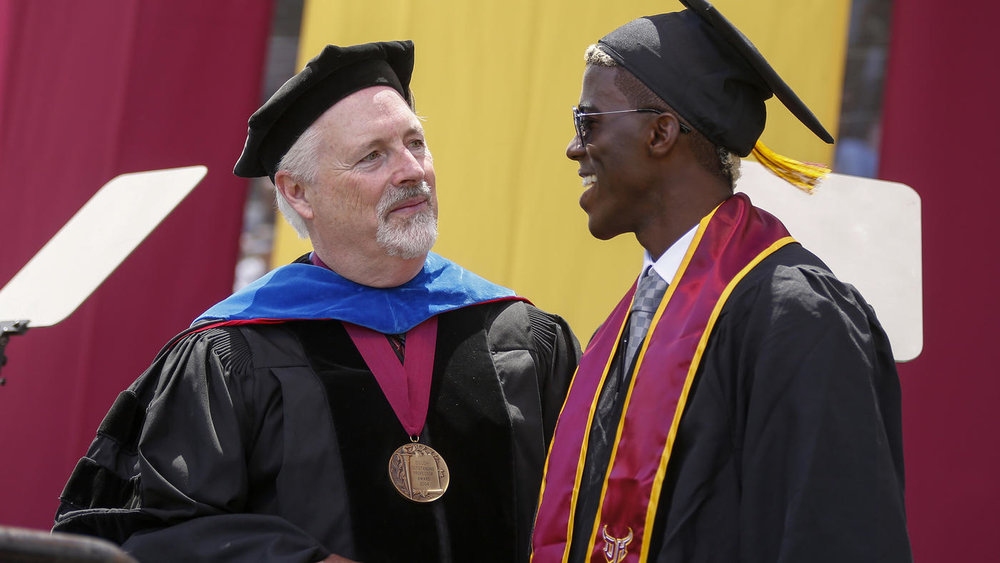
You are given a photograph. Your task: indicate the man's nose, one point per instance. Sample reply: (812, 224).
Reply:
(409, 169)
(575, 150)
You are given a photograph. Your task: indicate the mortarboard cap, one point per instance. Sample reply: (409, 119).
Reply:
(331, 76)
(712, 75)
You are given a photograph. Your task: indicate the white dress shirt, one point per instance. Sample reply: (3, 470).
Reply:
(668, 263)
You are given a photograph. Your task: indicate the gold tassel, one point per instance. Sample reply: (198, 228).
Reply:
(803, 175)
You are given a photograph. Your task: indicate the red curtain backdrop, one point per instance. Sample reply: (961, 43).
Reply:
(90, 90)
(940, 135)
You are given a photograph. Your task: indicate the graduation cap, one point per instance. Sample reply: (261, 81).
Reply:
(714, 77)
(331, 76)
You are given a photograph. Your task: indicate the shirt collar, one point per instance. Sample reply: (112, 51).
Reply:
(670, 261)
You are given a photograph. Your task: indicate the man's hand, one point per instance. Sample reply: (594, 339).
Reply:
(334, 558)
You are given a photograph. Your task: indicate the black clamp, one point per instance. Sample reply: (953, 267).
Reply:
(7, 329)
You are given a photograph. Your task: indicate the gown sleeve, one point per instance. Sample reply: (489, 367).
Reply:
(188, 495)
(819, 420)
(557, 355)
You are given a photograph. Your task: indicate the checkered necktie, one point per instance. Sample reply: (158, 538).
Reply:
(647, 296)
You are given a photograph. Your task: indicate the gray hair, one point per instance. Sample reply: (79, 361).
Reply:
(302, 162)
(717, 159)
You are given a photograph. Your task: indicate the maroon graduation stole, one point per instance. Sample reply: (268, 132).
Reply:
(729, 242)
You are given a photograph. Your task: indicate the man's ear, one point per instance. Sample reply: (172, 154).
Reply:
(294, 193)
(663, 134)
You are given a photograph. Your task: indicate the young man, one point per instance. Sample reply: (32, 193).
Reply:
(758, 419)
(372, 401)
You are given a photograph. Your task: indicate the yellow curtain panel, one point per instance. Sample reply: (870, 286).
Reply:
(495, 82)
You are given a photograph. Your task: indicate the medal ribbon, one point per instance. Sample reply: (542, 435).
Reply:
(729, 242)
(406, 386)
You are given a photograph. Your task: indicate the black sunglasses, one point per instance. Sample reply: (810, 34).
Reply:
(583, 131)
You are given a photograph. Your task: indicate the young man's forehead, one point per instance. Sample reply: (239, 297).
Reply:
(599, 90)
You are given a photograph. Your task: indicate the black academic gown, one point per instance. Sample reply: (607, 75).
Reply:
(272, 442)
(790, 445)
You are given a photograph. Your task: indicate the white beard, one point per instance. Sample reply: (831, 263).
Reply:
(412, 237)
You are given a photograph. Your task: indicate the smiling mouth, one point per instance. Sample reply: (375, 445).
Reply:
(589, 184)
(410, 205)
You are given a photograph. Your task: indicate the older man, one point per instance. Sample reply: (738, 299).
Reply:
(372, 401)
(741, 404)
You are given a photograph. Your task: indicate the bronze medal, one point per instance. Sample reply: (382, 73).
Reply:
(418, 472)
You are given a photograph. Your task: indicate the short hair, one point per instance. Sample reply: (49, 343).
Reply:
(717, 159)
(302, 162)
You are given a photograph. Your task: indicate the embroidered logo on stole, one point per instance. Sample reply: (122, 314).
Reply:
(615, 549)
(729, 242)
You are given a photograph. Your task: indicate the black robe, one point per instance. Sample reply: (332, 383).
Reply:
(790, 445)
(272, 442)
